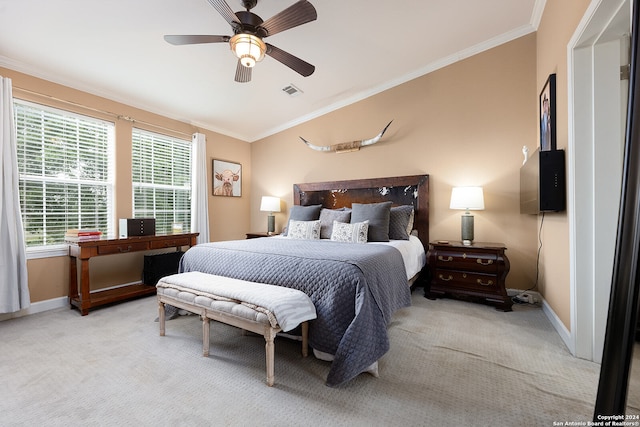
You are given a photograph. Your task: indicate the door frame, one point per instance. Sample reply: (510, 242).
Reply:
(597, 110)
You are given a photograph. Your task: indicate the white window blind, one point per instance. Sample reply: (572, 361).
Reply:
(161, 167)
(65, 163)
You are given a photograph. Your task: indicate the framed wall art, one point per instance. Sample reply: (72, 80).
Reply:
(227, 178)
(548, 115)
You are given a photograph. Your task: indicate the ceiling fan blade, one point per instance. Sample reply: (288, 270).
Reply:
(297, 14)
(223, 9)
(293, 62)
(184, 39)
(243, 74)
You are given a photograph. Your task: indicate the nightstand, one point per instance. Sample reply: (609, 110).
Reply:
(260, 234)
(475, 271)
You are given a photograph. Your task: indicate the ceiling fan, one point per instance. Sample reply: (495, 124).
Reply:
(249, 30)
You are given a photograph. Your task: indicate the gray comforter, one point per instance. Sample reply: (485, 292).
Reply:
(355, 288)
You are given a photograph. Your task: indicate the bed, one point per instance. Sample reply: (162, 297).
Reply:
(356, 288)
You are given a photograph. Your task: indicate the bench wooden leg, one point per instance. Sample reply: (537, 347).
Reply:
(161, 317)
(305, 339)
(205, 336)
(270, 350)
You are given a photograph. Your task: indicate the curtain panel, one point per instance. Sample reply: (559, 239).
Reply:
(14, 289)
(199, 194)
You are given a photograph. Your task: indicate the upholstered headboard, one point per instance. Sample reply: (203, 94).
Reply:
(401, 190)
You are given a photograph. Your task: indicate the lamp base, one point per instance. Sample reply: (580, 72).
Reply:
(467, 229)
(271, 224)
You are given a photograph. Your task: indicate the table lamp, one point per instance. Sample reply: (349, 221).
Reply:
(271, 205)
(467, 198)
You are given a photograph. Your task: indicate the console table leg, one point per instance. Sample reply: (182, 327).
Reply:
(85, 287)
(73, 280)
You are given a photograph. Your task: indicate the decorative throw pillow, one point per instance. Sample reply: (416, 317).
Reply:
(309, 230)
(350, 233)
(378, 216)
(303, 213)
(399, 219)
(327, 216)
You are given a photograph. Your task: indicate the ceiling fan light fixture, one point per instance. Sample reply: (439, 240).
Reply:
(248, 48)
(249, 29)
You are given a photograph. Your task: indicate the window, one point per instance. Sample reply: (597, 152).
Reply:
(161, 168)
(65, 164)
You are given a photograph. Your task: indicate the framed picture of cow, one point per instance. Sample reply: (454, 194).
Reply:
(227, 178)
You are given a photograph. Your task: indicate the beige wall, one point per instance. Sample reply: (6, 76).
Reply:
(229, 217)
(463, 125)
(559, 21)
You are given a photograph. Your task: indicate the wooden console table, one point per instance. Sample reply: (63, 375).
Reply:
(81, 296)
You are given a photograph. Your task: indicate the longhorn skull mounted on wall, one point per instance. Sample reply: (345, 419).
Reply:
(346, 147)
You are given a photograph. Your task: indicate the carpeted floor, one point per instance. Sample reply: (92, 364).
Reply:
(451, 363)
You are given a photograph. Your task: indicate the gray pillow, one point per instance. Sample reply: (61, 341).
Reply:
(378, 216)
(303, 213)
(327, 216)
(399, 219)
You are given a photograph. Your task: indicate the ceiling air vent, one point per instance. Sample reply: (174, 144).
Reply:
(291, 90)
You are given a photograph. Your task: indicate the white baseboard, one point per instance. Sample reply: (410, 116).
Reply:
(37, 307)
(50, 304)
(557, 324)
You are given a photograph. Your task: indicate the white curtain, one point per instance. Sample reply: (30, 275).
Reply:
(199, 193)
(14, 290)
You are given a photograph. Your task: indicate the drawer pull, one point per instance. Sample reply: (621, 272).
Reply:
(489, 283)
(487, 262)
(447, 259)
(124, 250)
(449, 278)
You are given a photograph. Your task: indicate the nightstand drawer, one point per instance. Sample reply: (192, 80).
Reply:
(465, 280)
(468, 260)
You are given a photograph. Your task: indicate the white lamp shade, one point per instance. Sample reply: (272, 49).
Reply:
(468, 198)
(270, 204)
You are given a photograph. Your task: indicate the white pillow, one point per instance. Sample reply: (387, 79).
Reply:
(309, 230)
(351, 233)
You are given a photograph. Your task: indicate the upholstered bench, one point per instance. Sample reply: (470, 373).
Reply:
(257, 307)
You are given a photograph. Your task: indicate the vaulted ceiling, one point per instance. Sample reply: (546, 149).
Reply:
(116, 49)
